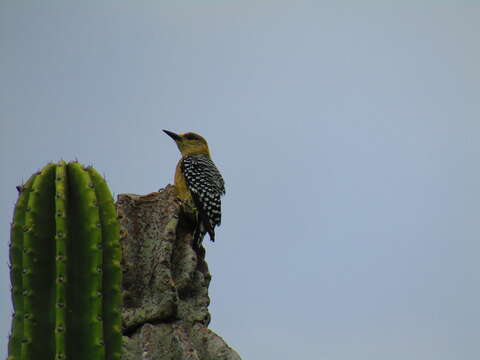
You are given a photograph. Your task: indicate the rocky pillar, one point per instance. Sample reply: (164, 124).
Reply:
(165, 283)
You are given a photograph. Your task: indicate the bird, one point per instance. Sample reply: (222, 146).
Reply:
(197, 180)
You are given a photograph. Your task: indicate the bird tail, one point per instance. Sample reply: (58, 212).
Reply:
(203, 226)
(198, 235)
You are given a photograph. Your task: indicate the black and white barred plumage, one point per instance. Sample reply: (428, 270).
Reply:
(207, 186)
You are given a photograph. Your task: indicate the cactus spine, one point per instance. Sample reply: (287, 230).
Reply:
(65, 267)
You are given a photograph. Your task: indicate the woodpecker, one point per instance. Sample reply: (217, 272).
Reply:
(198, 181)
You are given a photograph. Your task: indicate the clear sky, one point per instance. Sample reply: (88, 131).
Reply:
(347, 133)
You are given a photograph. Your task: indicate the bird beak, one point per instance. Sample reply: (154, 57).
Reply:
(174, 136)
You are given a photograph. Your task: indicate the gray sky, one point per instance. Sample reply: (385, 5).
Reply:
(347, 134)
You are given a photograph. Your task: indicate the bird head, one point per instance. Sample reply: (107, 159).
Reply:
(189, 143)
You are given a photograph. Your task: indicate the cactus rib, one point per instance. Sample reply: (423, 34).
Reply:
(112, 272)
(61, 237)
(16, 268)
(38, 267)
(86, 243)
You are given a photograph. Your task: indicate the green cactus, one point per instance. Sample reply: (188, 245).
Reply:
(65, 267)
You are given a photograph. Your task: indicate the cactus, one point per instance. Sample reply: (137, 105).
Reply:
(65, 267)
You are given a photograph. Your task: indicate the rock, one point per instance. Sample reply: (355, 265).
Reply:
(165, 283)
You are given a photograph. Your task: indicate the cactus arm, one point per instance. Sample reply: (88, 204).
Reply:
(38, 264)
(112, 273)
(86, 268)
(16, 267)
(61, 237)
